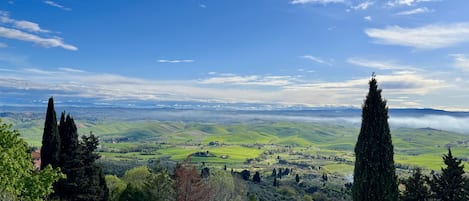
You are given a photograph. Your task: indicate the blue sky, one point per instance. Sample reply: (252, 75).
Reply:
(288, 52)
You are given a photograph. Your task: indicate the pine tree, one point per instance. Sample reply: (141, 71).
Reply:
(93, 178)
(374, 173)
(415, 187)
(50, 150)
(450, 184)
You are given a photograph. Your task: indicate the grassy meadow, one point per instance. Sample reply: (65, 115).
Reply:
(255, 144)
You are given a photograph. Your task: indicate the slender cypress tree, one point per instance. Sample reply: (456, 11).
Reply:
(70, 161)
(374, 173)
(50, 150)
(450, 184)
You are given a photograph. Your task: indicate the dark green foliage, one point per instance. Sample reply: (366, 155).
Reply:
(205, 172)
(245, 174)
(159, 186)
(50, 150)
(274, 172)
(374, 173)
(415, 187)
(85, 179)
(252, 197)
(286, 172)
(132, 193)
(324, 177)
(93, 178)
(450, 184)
(256, 178)
(297, 178)
(275, 182)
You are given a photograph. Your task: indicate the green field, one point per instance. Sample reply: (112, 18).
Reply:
(320, 144)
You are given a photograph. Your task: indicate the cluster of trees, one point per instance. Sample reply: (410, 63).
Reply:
(76, 158)
(375, 175)
(18, 178)
(185, 183)
(450, 185)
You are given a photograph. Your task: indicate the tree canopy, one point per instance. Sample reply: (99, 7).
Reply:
(18, 179)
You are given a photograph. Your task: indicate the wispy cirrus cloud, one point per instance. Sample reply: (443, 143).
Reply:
(175, 61)
(3, 45)
(233, 79)
(44, 42)
(394, 3)
(54, 4)
(316, 1)
(363, 6)
(381, 65)
(426, 37)
(317, 59)
(368, 18)
(30, 32)
(21, 24)
(421, 10)
(71, 70)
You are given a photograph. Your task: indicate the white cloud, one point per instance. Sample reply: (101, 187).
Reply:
(235, 89)
(398, 84)
(71, 70)
(29, 31)
(175, 61)
(426, 37)
(316, 59)
(368, 18)
(202, 6)
(44, 42)
(421, 10)
(21, 24)
(363, 6)
(395, 3)
(54, 4)
(461, 61)
(316, 1)
(381, 65)
(3, 45)
(249, 80)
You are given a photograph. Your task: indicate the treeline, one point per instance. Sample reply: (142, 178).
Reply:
(185, 183)
(450, 185)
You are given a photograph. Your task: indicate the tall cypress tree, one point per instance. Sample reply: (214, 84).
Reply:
(450, 184)
(50, 150)
(70, 162)
(374, 173)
